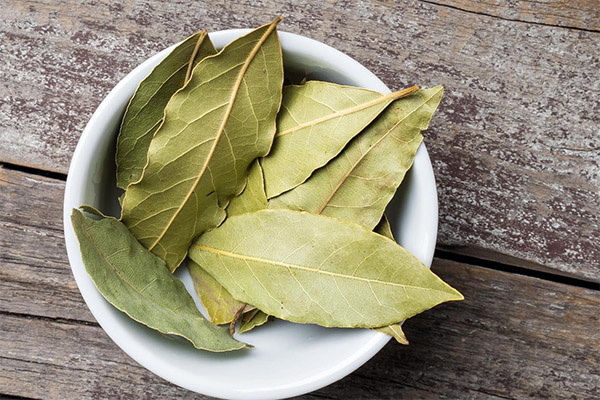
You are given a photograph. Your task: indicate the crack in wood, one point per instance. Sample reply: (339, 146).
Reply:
(575, 28)
(66, 321)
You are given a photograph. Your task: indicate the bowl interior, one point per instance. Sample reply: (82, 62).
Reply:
(288, 359)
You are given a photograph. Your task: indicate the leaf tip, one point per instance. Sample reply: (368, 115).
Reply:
(76, 215)
(458, 296)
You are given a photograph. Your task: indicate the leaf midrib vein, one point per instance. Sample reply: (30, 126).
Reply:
(374, 102)
(169, 330)
(190, 64)
(121, 277)
(246, 258)
(232, 98)
(364, 154)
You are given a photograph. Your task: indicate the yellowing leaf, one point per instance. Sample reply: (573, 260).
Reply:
(213, 128)
(359, 183)
(316, 121)
(146, 108)
(220, 306)
(314, 269)
(138, 283)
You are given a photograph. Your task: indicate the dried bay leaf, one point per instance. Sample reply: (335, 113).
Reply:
(358, 184)
(383, 228)
(213, 128)
(314, 269)
(315, 123)
(394, 331)
(138, 283)
(253, 198)
(254, 318)
(220, 306)
(393, 134)
(146, 108)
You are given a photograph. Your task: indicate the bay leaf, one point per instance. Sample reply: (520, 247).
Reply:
(383, 228)
(309, 268)
(220, 306)
(139, 284)
(253, 198)
(255, 318)
(213, 128)
(358, 184)
(145, 110)
(315, 123)
(394, 331)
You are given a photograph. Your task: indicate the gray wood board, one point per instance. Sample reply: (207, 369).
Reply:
(513, 336)
(515, 146)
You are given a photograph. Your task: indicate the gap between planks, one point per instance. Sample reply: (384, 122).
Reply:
(33, 171)
(513, 269)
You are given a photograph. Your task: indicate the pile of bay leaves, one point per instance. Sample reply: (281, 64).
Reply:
(275, 195)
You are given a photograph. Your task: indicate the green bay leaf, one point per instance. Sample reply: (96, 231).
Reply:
(213, 128)
(139, 284)
(314, 269)
(358, 184)
(316, 121)
(146, 108)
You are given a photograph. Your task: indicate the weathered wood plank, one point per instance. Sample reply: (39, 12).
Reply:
(51, 360)
(35, 277)
(514, 146)
(579, 14)
(513, 336)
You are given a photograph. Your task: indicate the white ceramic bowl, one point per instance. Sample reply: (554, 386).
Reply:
(288, 359)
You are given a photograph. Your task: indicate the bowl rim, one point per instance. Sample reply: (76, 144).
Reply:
(75, 180)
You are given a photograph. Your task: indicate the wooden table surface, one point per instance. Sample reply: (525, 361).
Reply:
(515, 148)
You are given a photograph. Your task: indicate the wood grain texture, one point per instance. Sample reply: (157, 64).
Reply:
(513, 336)
(45, 359)
(578, 14)
(35, 277)
(515, 144)
(490, 346)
